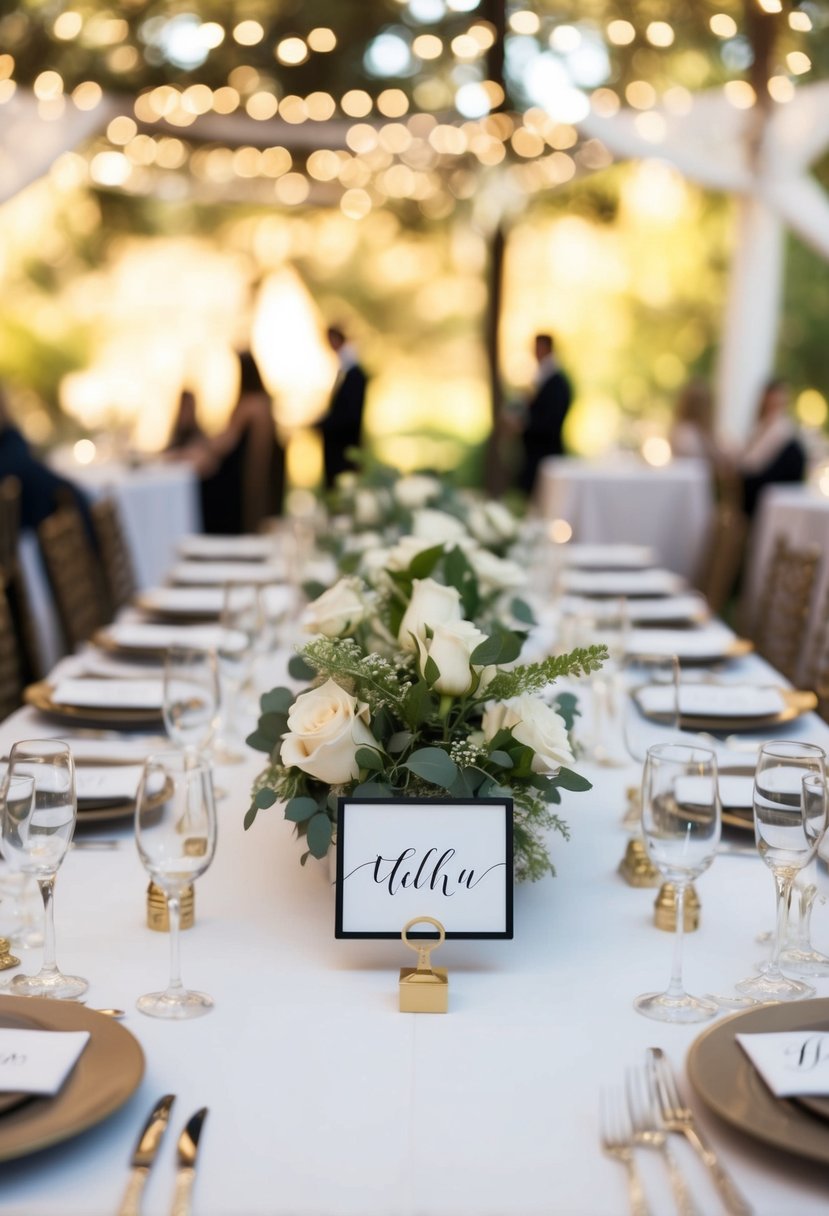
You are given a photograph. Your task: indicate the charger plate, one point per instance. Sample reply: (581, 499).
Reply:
(39, 695)
(795, 703)
(106, 1075)
(730, 1086)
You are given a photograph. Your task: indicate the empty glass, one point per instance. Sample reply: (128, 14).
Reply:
(241, 625)
(191, 696)
(39, 811)
(175, 831)
(681, 822)
(650, 714)
(789, 820)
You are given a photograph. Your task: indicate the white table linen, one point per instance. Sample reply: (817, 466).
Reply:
(326, 1101)
(623, 500)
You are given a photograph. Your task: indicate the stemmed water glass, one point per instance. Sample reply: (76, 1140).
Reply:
(175, 831)
(241, 625)
(650, 714)
(789, 820)
(681, 821)
(191, 696)
(39, 811)
(799, 954)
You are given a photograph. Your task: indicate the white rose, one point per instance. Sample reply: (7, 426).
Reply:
(406, 549)
(491, 523)
(415, 491)
(373, 563)
(431, 604)
(359, 542)
(534, 724)
(367, 507)
(496, 573)
(437, 526)
(326, 726)
(338, 611)
(451, 647)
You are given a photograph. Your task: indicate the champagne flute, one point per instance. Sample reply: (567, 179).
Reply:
(175, 832)
(681, 822)
(39, 812)
(241, 624)
(191, 695)
(789, 820)
(650, 716)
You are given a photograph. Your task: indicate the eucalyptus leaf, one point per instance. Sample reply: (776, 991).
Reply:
(277, 701)
(260, 742)
(312, 589)
(424, 563)
(502, 759)
(566, 779)
(433, 765)
(368, 757)
(298, 810)
(522, 612)
(399, 741)
(319, 834)
(300, 669)
(265, 798)
(251, 814)
(372, 789)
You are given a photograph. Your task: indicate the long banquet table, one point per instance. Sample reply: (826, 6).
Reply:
(326, 1101)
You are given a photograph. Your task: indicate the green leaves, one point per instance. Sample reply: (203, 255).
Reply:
(370, 758)
(319, 834)
(265, 798)
(502, 646)
(300, 809)
(460, 574)
(277, 701)
(522, 612)
(568, 780)
(300, 669)
(434, 765)
(424, 563)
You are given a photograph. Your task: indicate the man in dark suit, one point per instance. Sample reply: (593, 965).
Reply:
(342, 425)
(545, 413)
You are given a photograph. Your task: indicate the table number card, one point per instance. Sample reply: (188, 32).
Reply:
(446, 858)
(791, 1062)
(38, 1061)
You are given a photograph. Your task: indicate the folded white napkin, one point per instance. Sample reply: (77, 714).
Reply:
(141, 635)
(38, 1061)
(206, 574)
(712, 700)
(207, 601)
(709, 641)
(228, 548)
(606, 557)
(621, 583)
(791, 1062)
(110, 694)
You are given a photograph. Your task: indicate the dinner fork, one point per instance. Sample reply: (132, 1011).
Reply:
(617, 1141)
(675, 1116)
(649, 1134)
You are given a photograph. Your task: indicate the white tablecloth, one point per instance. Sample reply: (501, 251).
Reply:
(801, 515)
(624, 500)
(326, 1101)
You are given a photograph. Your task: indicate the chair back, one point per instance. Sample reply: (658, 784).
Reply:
(782, 620)
(721, 564)
(13, 583)
(75, 575)
(119, 572)
(12, 679)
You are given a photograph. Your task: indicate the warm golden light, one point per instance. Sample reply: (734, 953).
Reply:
(565, 38)
(276, 161)
(6, 66)
(723, 25)
(812, 408)
(67, 25)
(248, 33)
(484, 34)
(656, 451)
(781, 89)
(109, 168)
(525, 22)
(660, 33)
(527, 143)
(323, 165)
(740, 94)
(261, 106)
(393, 103)
(211, 34)
(361, 138)
(605, 103)
(621, 33)
(48, 85)
(84, 451)
(355, 204)
(798, 62)
(395, 137)
(226, 100)
(320, 106)
(678, 100)
(466, 47)
(651, 126)
(771, 6)
(293, 109)
(559, 531)
(641, 94)
(121, 130)
(292, 189)
(800, 21)
(356, 103)
(322, 39)
(291, 51)
(197, 99)
(87, 95)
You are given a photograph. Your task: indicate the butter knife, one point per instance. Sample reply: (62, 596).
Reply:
(188, 1147)
(144, 1155)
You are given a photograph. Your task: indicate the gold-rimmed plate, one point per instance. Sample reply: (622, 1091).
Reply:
(107, 1073)
(795, 704)
(730, 1086)
(40, 696)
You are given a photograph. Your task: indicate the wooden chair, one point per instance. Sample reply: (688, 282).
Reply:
(12, 681)
(75, 575)
(119, 572)
(717, 577)
(13, 583)
(785, 607)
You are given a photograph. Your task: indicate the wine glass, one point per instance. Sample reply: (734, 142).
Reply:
(241, 625)
(39, 812)
(175, 831)
(191, 695)
(650, 714)
(681, 822)
(789, 820)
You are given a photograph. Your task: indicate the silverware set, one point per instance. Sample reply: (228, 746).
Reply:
(645, 1114)
(145, 1154)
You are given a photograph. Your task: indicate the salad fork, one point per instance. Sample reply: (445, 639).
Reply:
(649, 1134)
(616, 1137)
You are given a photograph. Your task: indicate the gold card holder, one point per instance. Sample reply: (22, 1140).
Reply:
(424, 988)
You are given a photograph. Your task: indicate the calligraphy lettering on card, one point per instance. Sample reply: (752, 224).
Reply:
(446, 858)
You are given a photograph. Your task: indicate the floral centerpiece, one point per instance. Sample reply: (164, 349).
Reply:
(418, 692)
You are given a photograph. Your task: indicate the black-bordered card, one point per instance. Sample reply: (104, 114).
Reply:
(450, 858)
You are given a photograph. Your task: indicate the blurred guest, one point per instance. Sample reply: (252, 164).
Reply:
(692, 430)
(41, 490)
(242, 469)
(544, 414)
(775, 451)
(186, 429)
(341, 425)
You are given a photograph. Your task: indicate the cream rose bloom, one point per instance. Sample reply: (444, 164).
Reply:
(368, 507)
(326, 725)
(496, 573)
(338, 611)
(535, 725)
(431, 604)
(436, 526)
(416, 490)
(491, 523)
(451, 647)
(400, 557)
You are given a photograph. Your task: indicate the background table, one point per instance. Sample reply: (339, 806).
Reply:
(624, 500)
(325, 1101)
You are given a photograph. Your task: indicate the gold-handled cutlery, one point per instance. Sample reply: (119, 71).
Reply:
(617, 1142)
(188, 1148)
(675, 1116)
(648, 1133)
(144, 1155)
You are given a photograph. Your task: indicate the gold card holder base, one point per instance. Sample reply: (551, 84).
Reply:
(664, 916)
(158, 914)
(7, 959)
(424, 988)
(636, 867)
